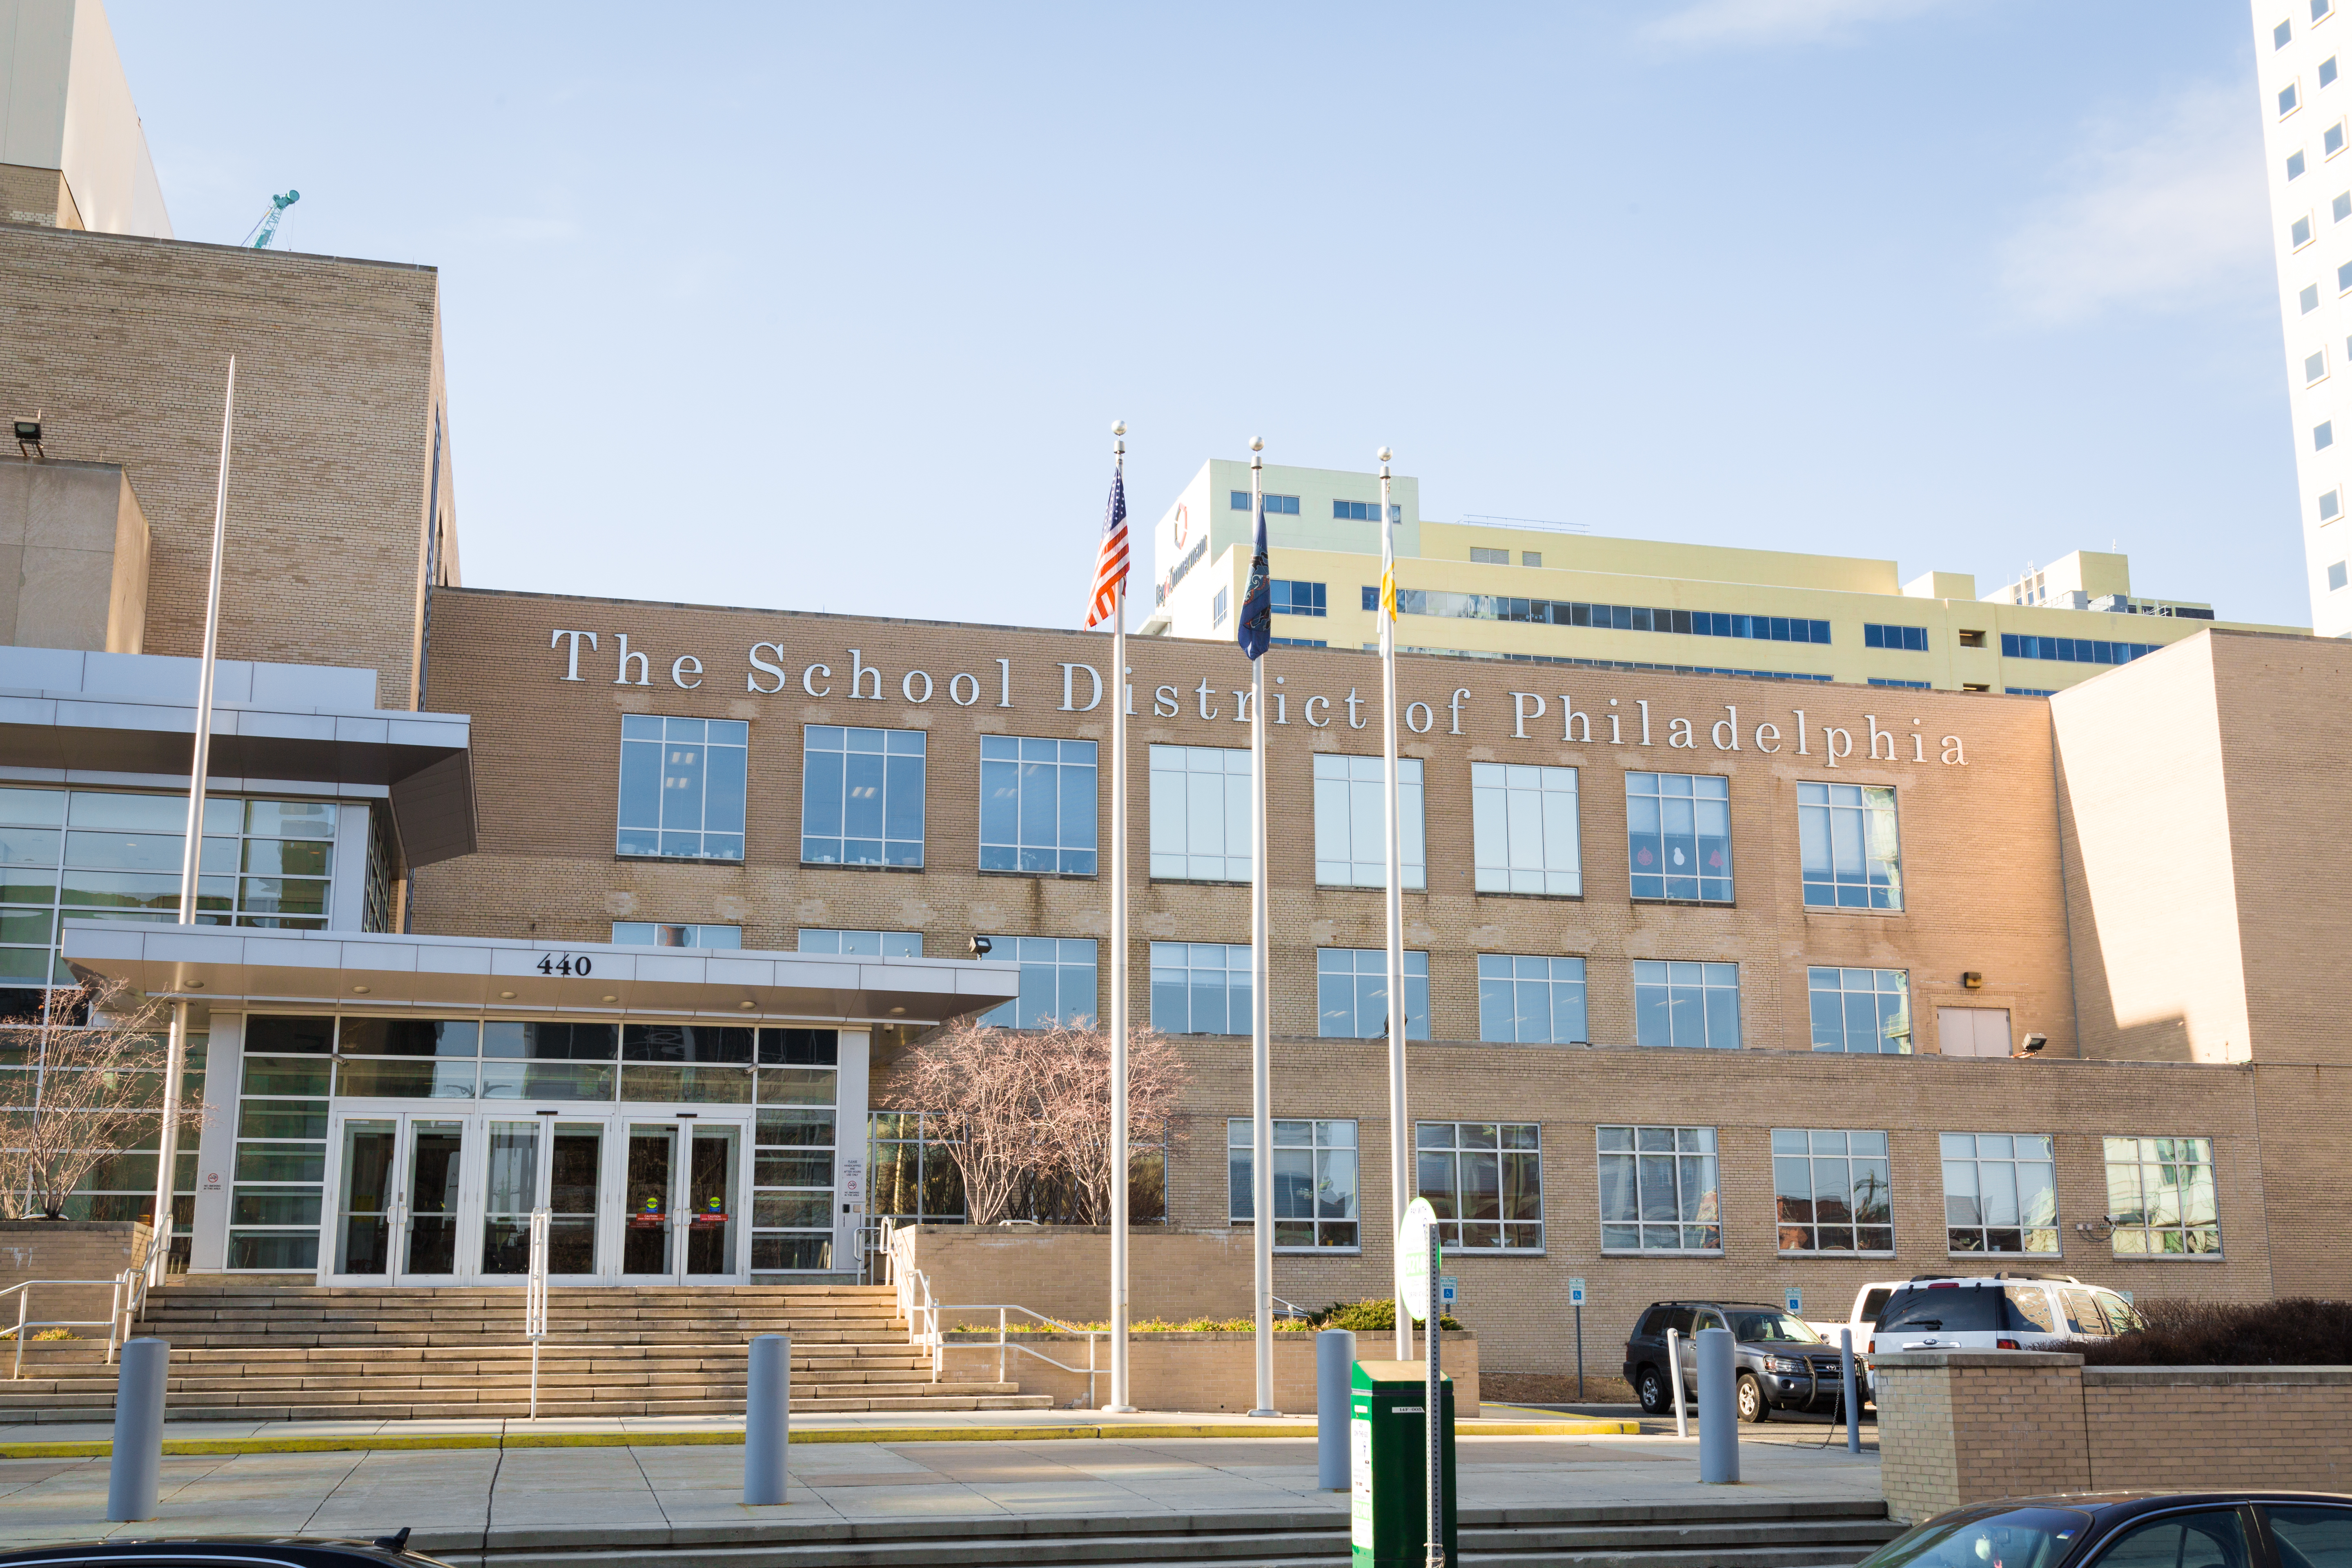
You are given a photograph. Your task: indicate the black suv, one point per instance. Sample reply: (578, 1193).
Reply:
(1781, 1363)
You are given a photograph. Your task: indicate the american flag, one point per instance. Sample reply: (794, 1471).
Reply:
(1110, 561)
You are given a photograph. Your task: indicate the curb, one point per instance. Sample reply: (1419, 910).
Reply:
(397, 1442)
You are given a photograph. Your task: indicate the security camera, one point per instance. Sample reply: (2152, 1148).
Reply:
(982, 946)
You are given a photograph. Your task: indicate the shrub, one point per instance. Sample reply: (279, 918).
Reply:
(2296, 1331)
(1368, 1317)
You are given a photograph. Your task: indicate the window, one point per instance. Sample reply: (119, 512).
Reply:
(2309, 299)
(2323, 435)
(2336, 576)
(2281, 33)
(2000, 1193)
(2315, 367)
(912, 1173)
(1314, 1182)
(1275, 505)
(1351, 823)
(682, 788)
(1351, 991)
(1833, 1191)
(1485, 1179)
(1219, 606)
(1036, 805)
(282, 1144)
(1482, 556)
(2328, 71)
(1973, 639)
(2299, 231)
(2072, 650)
(1687, 1006)
(2287, 99)
(2331, 506)
(1524, 833)
(1903, 685)
(1851, 854)
(1604, 617)
(1678, 837)
(2160, 1197)
(2318, 1532)
(2294, 165)
(1299, 642)
(1860, 1011)
(650, 933)
(1658, 1190)
(1294, 598)
(1364, 511)
(1200, 813)
(1057, 982)
(1912, 638)
(862, 943)
(2215, 1538)
(2341, 207)
(1240, 500)
(862, 797)
(2331, 140)
(794, 1143)
(1528, 1000)
(1530, 557)
(1201, 987)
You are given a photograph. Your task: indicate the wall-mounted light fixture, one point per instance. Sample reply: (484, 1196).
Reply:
(981, 947)
(2030, 1045)
(1973, 979)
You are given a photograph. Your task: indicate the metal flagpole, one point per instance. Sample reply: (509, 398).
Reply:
(175, 1061)
(1118, 966)
(1400, 1182)
(1261, 1012)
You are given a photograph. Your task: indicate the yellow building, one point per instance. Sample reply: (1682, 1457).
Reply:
(1498, 589)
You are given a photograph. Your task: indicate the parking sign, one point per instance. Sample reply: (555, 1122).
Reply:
(1796, 1303)
(1576, 1293)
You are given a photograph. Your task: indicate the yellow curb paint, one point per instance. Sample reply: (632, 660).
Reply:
(385, 1442)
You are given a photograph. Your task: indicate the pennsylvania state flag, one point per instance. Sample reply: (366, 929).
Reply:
(1256, 626)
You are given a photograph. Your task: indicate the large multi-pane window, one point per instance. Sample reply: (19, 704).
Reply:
(279, 1173)
(1315, 1173)
(655, 933)
(912, 1175)
(1057, 981)
(2000, 1193)
(1523, 829)
(1485, 1180)
(795, 1139)
(1851, 854)
(122, 1185)
(1351, 991)
(1687, 1005)
(1658, 1191)
(116, 854)
(1201, 987)
(1835, 1191)
(2160, 1197)
(1351, 823)
(1296, 598)
(1200, 813)
(861, 944)
(1861, 1010)
(1530, 1001)
(1036, 805)
(1678, 837)
(682, 782)
(862, 796)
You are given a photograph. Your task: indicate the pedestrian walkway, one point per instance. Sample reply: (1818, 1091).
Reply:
(467, 1501)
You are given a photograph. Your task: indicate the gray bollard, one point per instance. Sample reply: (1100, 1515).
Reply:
(1718, 1416)
(1335, 1365)
(766, 1419)
(131, 1475)
(1852, 1394)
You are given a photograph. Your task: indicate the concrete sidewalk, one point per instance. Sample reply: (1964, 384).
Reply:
(469, 1500)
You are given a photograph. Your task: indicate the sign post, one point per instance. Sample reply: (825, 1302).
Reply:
(1576, 1299)
(1419, 1282)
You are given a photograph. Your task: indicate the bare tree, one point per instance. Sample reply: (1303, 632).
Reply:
(79, 1094)
(1028, 1112)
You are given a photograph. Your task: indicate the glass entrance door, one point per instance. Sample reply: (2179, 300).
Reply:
(541, 1163)
(713, 1178)
(648, 1210)
(397, 1198)
(681, 1192)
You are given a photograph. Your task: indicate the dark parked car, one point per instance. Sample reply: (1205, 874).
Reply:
(2134, 1530)
(228, 1552)
(1779, 1362)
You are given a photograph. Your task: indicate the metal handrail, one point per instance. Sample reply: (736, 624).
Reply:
(534, 1300)
(925, 1330)
(128, 1303)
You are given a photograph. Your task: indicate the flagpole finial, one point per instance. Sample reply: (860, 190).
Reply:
(1385, 454)
(1119, 427)
(1257, 443)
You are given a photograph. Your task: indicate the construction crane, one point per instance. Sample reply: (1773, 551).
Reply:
(265, 231)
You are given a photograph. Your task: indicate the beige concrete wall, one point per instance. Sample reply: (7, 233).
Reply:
(1063, 1271)
(1208, 1372)
(1958, 1427)
(73, 556)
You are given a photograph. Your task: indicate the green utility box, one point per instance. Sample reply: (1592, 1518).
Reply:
(1388, 1464)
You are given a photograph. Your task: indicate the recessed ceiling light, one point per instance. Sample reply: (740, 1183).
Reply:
(360, 990)
(747, 1007)
(895, 1011)
(506, 995)
(611, 998)
(195, 986)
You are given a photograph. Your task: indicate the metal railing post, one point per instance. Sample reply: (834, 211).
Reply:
(534, 1300)
(1852, 1400)
(1674, 1380)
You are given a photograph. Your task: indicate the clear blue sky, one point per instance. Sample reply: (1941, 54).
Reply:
(831, 308)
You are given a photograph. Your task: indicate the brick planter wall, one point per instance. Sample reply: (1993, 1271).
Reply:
(1965, 1427)
(1064, 1270)
(1196, 1371)
(68, 1249)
